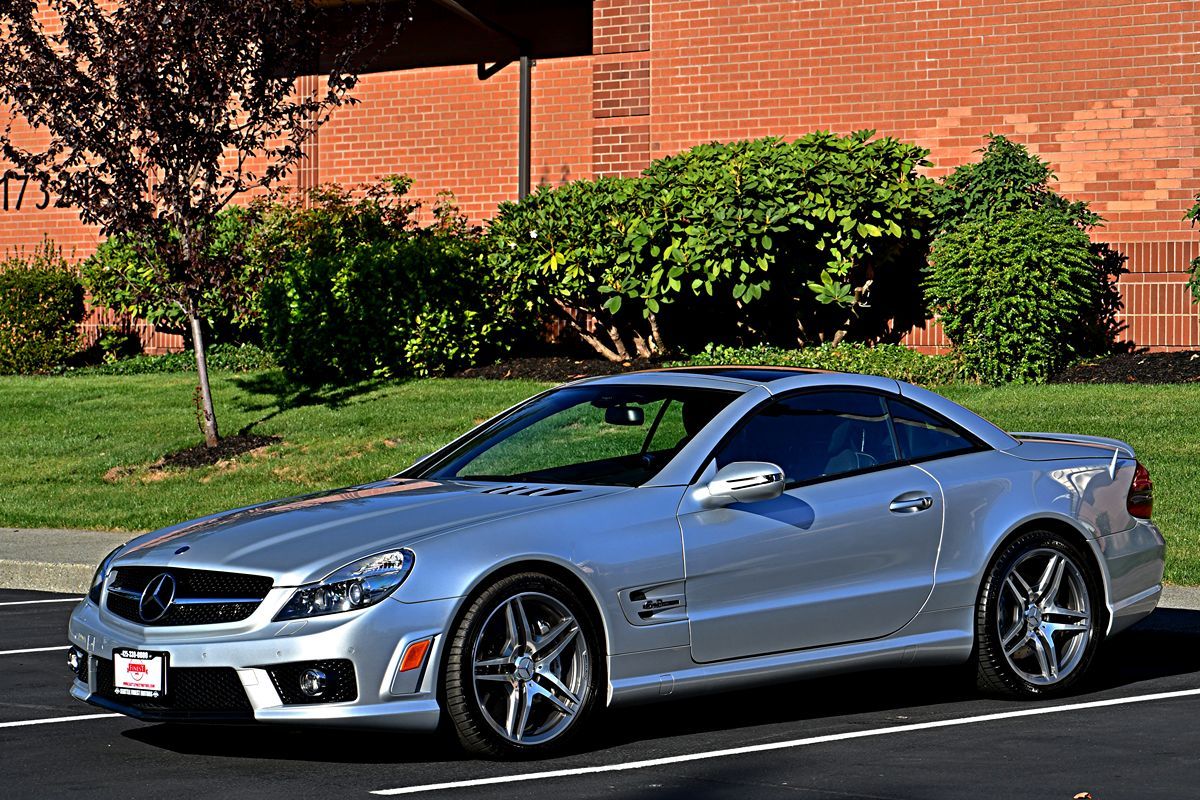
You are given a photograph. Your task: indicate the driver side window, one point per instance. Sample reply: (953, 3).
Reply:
(816, 435)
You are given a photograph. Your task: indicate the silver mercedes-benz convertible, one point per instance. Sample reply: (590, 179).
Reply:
(634, 538)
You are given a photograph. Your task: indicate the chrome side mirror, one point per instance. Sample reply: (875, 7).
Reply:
(745, 482)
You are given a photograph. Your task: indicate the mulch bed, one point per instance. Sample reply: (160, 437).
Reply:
(557, 369)
(1171, 367)
(201, 456)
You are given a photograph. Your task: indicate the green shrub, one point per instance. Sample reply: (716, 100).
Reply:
(820, 239)
(221, 358)
(1009, 180)
(1015, 293)
(564, 253)
(41, 306)
(115, 342)
(356, 289)
(126, 274)
(889, 360)
(817, 240)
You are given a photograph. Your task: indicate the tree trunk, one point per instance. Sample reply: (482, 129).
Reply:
(657, 343)
(641, 346)
(614, 335)
(803, 337)
(616, 354)
(209, 413)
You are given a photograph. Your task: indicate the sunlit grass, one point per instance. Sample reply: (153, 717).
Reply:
(73, 451)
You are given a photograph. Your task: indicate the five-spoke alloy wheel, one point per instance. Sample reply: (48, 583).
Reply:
(521, 670)
(1036, 621)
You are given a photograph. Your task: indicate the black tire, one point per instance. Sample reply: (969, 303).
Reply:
(471, 710)
(1016, 675)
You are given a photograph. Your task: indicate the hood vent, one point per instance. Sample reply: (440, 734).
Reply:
(529, 491)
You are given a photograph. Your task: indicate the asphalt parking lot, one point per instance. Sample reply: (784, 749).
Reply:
(1130, 733)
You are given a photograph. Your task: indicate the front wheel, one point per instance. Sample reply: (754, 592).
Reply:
(522, 668)
(1037, 619)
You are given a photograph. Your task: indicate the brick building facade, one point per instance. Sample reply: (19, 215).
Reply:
(1106, 90)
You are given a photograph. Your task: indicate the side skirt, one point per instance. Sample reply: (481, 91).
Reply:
(933, 638)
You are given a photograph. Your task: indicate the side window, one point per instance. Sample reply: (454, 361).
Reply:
(922, 435)
(816, 435)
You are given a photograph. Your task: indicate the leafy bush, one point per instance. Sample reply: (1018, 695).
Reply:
(1015, 293)
(357, 289)
(221, 358)
(41, 306)
(115, 342)
(126, 274)
(564, 252)
(1009, 180)
(820, 239)
(890, 360)
(829, 232)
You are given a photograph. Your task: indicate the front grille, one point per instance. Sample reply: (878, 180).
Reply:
(343, 687)
(202, 597)
(198, 691)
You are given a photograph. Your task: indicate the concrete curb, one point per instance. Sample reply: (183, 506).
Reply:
(64, 560)
(53, 560)
(1185, 597)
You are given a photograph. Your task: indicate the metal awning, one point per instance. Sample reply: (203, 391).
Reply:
(487, 33)
(443, 33)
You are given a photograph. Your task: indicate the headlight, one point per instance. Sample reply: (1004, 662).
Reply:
(100, 574)
(358, 585)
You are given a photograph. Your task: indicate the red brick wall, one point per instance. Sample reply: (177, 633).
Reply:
(1106, 90)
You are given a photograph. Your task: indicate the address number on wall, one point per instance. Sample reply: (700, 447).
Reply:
(17, 194)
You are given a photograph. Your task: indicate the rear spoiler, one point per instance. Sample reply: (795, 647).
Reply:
(1117, 445)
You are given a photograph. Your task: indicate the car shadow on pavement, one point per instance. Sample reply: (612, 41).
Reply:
(1163, 646)
(1166, 643)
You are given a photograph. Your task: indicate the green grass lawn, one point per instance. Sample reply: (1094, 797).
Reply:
(74, 450)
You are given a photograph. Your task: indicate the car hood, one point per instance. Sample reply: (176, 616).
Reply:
(302, 539)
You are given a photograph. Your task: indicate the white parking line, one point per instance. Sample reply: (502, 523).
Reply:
(760, 748)
(24, 722)
(34, 602)
(33, 650)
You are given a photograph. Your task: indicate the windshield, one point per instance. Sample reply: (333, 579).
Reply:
(601, 435)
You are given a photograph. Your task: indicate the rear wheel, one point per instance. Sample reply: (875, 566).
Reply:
(522, 669)
(1037, 619)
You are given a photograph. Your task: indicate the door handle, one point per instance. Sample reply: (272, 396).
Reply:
(911, 505)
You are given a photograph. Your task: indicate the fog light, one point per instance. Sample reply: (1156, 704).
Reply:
(77, 661)
(313, 682)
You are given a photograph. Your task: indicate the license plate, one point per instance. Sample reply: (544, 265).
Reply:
(141, 673)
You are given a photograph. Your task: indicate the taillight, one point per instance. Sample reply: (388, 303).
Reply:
(1141, 493)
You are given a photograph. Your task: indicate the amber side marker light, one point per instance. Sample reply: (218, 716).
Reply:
(414, 655)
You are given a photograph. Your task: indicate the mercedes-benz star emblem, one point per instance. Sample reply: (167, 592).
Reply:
(157, 597)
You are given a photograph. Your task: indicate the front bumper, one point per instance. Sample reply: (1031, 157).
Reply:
(373, 639)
